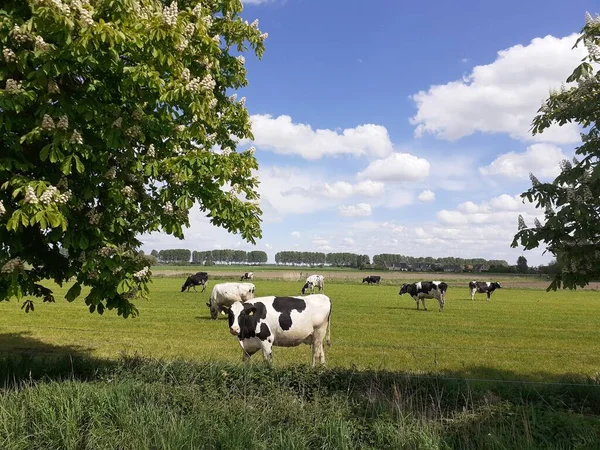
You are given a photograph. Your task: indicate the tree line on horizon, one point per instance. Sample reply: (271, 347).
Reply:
(209, 257)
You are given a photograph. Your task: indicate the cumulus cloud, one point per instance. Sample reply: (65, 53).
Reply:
(281, 135)
(502, 97)
(426, 196)
(540, 159)
(360, 209)
(503, 209)
(338, 190)
(397, 167)
(295, 234)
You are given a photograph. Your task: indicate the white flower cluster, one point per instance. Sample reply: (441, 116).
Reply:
(251, 150)
(127, 191)
(180, 128)
(197, 11)
(137, 114)
(48, 195)
(13, 86)
(53, 87)
(591, 20)
(233, 98)
(185, 74)
(189, 29)
(9, 55)
(2, 208)
(106, 251)
(208, 83)
(76, 138)
(133, 131)
(168, 208)
(170, 14)
(226, 151)
(64, 198)
(111, 173)
(86, 17)
(12, 266)
(151, 153)
(63, 123)
(30, 196)
(62, 7)
(20, 36)
(182, 44)
(592, 49)
(142, 273)
(40, 44)
(241, 59)
(193, 85)
(254, 24)
(47, 122)
(264, 36)
(208, 21)
(235, 188)
(243, 101)
(213, 103)
(216, 38)
(93, 217)
(118, 122)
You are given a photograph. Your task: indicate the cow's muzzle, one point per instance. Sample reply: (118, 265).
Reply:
(234, 330)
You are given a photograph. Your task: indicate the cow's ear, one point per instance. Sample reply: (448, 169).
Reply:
(251, 311)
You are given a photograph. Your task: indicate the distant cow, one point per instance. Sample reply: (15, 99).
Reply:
(483, 287)
(372, 279)
(198, 279)
(264, 322)
(312, 282)
(225, 294)
(426, 289)
(247, 276)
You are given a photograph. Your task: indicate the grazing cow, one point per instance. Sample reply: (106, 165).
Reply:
(483, 287)
(426, 289)
(198, 279)
(313, 281)
(372, 279)
(264, 322)
(225, 294)
(247, 276)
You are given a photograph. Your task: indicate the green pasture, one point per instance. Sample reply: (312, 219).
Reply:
(519, 334)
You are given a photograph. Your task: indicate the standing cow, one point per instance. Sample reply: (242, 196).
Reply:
(483, 287)
(313, 281)
(264, 322)
(247, 276)
(372, 279)
(426, 289)
(198, 279)
(224, 295)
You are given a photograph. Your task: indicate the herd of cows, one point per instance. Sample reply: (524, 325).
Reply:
(260, 323)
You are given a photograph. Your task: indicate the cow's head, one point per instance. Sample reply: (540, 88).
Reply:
(365, 279)
(244, 318)
(214, 309)
(403, 289)
(186, 284)
(307, 286)
(496, 284)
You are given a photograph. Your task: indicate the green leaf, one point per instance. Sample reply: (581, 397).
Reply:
(74, 292)
(79, 165)
(123, 286)
(65, 167)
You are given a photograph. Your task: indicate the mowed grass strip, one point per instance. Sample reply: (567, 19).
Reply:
(518, 335)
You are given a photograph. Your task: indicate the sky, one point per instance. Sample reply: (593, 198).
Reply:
(401, 127)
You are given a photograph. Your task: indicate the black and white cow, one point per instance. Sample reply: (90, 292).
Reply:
(247, 276)
(372, 279)
(264, 322)
(483, 287)
(426, 289)
(198, 279)
(312, 282)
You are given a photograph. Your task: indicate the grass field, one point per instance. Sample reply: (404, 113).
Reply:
(520, 334)
(396, 378)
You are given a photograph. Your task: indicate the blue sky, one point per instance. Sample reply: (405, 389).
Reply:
(401, 127)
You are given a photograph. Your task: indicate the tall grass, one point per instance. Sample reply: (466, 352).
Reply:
(134, 403)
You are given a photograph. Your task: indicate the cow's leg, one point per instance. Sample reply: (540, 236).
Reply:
(488, 295)
(423, 301)
(441, 301)
(319, 336)
(267, 349)
(416, 299)
(473, 294)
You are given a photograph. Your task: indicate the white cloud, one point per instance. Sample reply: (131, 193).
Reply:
(426, 196)
(540, 159)
(501, 210)
(360, 209)
(295, 234)
(338, 190)
(502, 97)
(281, 135)
(398, 167)
(320, 242)
(349, 241)
(256, 2)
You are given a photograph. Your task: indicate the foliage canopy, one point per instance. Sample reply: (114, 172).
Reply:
(110, 111)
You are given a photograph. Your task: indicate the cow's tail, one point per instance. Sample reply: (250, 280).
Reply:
(328, 338)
